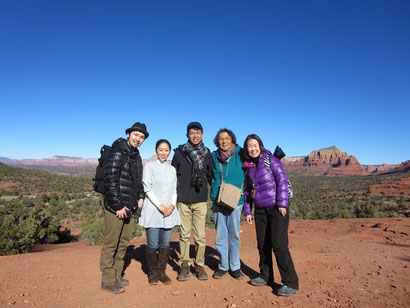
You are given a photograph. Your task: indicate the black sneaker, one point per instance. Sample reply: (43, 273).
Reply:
(237, 274)
(219, 274)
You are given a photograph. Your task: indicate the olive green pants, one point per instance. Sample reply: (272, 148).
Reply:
(192, 215)
(117, 236)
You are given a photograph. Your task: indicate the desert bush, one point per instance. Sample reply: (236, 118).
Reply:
(22, 225)
(366, 210)
(93, 232)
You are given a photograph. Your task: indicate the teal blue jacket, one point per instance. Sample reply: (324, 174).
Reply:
(235, 172)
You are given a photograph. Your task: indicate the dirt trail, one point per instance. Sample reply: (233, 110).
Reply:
(341, 263)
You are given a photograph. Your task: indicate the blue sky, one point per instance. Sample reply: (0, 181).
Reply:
(301, 74)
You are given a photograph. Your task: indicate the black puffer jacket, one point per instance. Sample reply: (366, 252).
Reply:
(123, 177)
(183, 165)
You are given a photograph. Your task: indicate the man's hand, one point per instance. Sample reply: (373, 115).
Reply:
(121, 214)
(249, 219)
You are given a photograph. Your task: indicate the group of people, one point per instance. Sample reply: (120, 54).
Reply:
(168, 195)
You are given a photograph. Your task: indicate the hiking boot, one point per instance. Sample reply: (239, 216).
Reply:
(237, 274)
(258, 282)
(184, 273)
(122, 281)
(162, 264)
(219, 274)
(200, 273)
(287, 291)
(115, 288)
(152, 262)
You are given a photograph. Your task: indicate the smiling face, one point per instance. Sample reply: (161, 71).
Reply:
(135, 139)
(195, 136)
(224, 141)
(163, 151)
(253, 148)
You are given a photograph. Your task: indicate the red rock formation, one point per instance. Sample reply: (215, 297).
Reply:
(380, 169)
(57, 161)
(403, 167)
(329, 161)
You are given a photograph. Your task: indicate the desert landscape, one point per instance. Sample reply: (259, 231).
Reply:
(341, 263)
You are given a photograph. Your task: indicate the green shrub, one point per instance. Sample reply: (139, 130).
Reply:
(366, 210)
(93, 232)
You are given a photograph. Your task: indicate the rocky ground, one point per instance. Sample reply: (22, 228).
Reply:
(341, 263)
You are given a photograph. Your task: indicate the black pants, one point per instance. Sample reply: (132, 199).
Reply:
(272, 234)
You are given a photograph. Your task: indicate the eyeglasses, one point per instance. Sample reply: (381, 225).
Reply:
(225, 139)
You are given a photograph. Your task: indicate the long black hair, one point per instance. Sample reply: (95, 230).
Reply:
(245, 145)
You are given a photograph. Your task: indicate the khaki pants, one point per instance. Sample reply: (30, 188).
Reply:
(117, 236)
(195, 214)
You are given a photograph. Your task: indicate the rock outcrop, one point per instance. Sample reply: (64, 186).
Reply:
(328, 161)
(379, 169)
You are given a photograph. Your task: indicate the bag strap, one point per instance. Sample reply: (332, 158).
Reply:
(266, 162)
(227, 170)
(221, 173)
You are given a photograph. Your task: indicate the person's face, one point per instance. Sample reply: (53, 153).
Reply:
(224, 141)
(163, 151)
(195, 136)
(253, 148)
(135, 139)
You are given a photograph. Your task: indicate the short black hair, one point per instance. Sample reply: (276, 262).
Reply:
(245, 145)
(160, 141)
(224, 130)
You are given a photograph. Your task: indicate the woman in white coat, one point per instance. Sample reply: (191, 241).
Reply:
(159, 213)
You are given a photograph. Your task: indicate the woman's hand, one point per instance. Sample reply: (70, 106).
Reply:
(163, 209)
(170, 209)
(249, 219)
(282, 210)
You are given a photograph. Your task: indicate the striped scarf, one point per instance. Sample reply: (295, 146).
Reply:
(196, 154)
(224, 155)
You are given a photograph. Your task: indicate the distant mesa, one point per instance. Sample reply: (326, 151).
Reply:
(55, 161)
(331, 162)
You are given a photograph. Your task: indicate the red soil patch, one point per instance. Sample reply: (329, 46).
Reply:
(341, 263)
(391, 188)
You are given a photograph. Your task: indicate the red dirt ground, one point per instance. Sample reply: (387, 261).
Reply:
(340, 263)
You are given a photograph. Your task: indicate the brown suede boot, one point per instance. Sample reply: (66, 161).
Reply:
(163, 256)
(200, 273)
(184, 273)
(122, 281)
(152, 263)
(116, 288)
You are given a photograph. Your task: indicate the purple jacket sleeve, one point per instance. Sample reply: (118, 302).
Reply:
(282, 198)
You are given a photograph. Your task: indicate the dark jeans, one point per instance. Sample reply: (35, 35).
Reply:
(158, 238)
(272, 234)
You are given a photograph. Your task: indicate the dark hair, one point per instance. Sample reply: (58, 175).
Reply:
(224, 130)
(162, 141)
(245, 145)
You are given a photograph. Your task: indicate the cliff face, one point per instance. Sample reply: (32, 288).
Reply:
(380, 169)
(329, 161)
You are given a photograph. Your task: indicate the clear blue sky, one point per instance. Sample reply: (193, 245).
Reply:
(302, 74)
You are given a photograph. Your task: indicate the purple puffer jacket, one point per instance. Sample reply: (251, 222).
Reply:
(270, 189)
